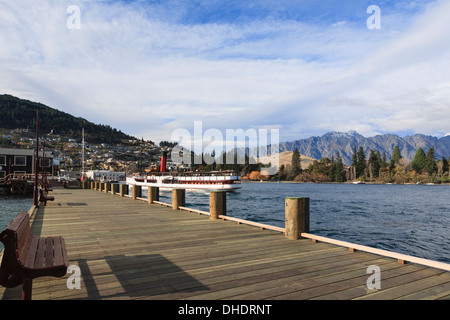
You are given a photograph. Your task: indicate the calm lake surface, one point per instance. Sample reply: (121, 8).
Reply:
(10, 207)
(409, 219)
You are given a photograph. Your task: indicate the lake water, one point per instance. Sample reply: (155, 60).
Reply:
(409, 219)
(10, 207)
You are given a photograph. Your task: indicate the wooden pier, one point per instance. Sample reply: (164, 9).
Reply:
(127, 248)
(17, 184)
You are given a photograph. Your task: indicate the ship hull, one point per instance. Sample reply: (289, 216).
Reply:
(193, 182)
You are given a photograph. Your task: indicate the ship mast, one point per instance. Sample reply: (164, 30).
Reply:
(82, 154)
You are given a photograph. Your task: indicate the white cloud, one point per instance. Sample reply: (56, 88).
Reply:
(146, 74)
(401, 86)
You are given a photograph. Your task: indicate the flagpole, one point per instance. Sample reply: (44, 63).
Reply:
(82, 158)
(35, 195)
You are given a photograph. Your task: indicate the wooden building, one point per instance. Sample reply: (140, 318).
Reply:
(22, 161)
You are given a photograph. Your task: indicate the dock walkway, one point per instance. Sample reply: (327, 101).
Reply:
(129, 249)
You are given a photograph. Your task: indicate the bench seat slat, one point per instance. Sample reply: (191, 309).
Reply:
(60, 251)
(39, 261)
(49, 252)
(31, 257)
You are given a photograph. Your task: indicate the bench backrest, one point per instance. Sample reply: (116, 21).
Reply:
(16, 239)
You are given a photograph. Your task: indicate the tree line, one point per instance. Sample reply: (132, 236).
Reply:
(424, 168)
(323, 170)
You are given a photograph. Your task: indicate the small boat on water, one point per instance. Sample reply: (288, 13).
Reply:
(359, 182)
(215, 180)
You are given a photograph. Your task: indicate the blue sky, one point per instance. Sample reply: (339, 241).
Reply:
(303, 67)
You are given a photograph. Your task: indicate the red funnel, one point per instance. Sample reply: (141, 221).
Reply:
(163, 161)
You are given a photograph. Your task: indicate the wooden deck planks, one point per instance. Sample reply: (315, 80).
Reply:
(128, 249)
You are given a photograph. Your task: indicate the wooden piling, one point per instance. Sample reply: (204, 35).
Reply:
(114, 188)
(217, 204)
(107, 187)
(123, 190)
(296, 217)
(153, 194)
(136, 192)
(178, 198)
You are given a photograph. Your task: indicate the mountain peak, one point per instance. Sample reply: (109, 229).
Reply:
(344, 142)
(338, 134)
(353, 133)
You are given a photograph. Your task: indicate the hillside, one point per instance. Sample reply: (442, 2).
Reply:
(19, 113)
(333, 142)
(285, 158)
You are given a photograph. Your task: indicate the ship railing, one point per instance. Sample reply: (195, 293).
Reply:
(195, 174)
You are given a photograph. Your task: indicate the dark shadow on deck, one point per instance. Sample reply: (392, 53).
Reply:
(141, 276)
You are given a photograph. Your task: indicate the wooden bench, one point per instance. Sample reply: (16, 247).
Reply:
(46, 186)
(44, 197)
(26, 256)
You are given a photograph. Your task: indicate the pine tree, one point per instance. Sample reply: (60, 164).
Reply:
(444, 165)
(339, 169)
(430, 162)
(361, 163)
(354, 164)
(378, 163)
(332, 170)
(384, 161)
(296, 164)
(418, 163)
(396, 156)
(374, 163)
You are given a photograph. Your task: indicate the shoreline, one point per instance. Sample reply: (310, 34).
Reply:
(351, 182)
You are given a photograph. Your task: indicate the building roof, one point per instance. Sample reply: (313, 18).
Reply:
(23, 152)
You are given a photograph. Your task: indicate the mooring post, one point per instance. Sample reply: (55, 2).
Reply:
(178, 198)
(153, 194)
(136, 192)
(217, 204)
(107, 187)
(114, 188)
(296, 217)
(123, 190)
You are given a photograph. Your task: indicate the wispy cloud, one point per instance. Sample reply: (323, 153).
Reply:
(400, 86)
(149, 68)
